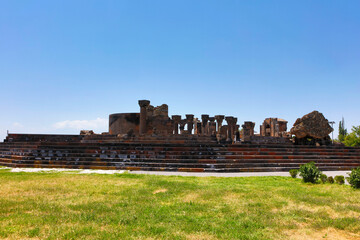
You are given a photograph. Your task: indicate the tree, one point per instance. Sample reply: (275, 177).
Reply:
(353, 139)
(342, 130)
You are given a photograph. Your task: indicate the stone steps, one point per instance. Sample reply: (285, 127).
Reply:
(181, 156)
(71, 163)
(182, 169)
(204, 164)
(253, 149)
(166, 145)
(177, 160)
(144, 157)
(165, 156)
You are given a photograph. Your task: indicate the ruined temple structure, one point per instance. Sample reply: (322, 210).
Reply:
(274, 127)
(155, 122)
(150, 140)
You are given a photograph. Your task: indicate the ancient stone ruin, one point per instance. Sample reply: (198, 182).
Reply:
(274, 127)
(154, 124)
(312, 129)
(150, 140)
(154, 121)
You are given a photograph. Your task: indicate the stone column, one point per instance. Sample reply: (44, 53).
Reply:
(176, 119)
(234, 125)
(248, 129)
(219, 120)
(182, 126)
(229, 121)
(190, 122)
(252, 132)
(195, 126)
(237, 133)
(204, 119)
(262, 130)
(273, 123)
(143, 116)
(277, 129)
(212, 126)
(198, 128)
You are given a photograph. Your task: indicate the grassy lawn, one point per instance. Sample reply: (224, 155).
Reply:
(129, 206)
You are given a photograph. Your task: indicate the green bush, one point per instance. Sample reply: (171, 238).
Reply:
(293, 172)
(330, 180)
(323, 178)
(339, 179)
(354, 178)
(353, 139)
(309, 172)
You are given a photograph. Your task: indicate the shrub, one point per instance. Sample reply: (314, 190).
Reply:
(354, 178)
(309, 172)
(353, 139)
(330, 180)
(339, 179)
(347, 179)
(293, 172)
(323, 178)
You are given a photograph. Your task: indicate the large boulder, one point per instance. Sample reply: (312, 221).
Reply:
(313, 125)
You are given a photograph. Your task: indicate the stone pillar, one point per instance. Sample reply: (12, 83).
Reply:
(237, 133)
(195, 126)
(204, 119)
(272, 127)
(234, 125)
(143, 116)
(219, 120)
(189, 122)
(273, 123)
(182, 126)
(176, 119)
(198, 128)
(252, 132)
(248, 129)
(262, 130)
(229, 121)
(212, 126)
(276, 129)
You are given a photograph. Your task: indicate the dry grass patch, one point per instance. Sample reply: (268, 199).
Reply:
(233, 198)
(199, 236)
(329, 233)
(291, 205)
(161, 190)
(191, 197)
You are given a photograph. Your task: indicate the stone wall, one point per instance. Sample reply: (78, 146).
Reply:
(23, 137)
(124, 123)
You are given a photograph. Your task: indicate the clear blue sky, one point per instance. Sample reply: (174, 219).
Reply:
(64, 64)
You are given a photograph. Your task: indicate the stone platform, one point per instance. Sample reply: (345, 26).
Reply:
(178, 153)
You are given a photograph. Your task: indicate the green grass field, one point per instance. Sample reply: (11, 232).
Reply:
(129, 206)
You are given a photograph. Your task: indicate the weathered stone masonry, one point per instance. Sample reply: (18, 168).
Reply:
(152, 141)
